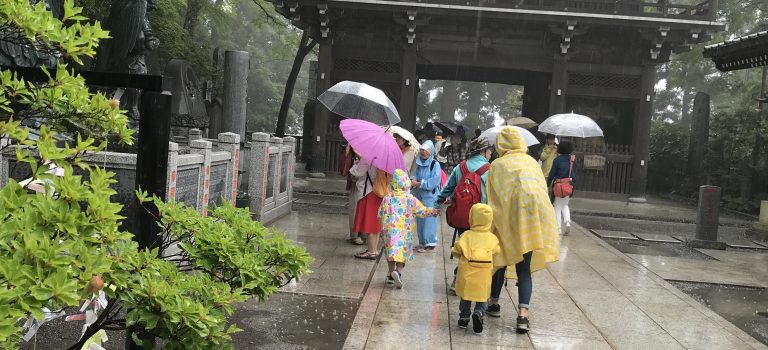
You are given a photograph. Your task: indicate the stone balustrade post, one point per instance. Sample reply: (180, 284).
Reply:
(173, 165)
(230, 142)
(276, 143)
(258, 171)
(204, 148)
(290, 141)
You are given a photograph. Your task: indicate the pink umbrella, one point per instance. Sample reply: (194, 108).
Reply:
(373, 143)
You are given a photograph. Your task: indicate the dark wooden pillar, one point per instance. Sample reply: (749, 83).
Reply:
(642, 134)
(536, 98)
(558, 85)
(322, 115)
(409, 85)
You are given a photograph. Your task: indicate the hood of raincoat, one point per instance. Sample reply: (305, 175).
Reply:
(510, 141)
(481, 217)
(428, 145)
(400, 183)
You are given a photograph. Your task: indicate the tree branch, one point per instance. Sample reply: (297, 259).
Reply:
(266, 12)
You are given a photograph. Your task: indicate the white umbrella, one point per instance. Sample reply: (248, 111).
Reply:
(354, 100)
(492, 133)
(405, 134)
(571, 124)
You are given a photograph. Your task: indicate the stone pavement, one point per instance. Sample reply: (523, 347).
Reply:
(595, 297)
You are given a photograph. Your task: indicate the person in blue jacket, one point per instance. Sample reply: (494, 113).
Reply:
(560, 169)
(426, 186)
(480, 153)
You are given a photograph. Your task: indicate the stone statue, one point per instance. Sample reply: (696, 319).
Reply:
(15, 50)
(132, 37)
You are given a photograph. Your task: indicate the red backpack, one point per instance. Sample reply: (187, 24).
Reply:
(468, 193)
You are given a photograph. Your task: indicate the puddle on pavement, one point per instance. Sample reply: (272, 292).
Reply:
(639, 247)
(294, 321)
(745, 307)
(285, 322)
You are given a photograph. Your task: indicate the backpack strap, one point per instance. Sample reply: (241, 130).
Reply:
(483, 169)
(570, 168)
(463, 167)
(431, 167)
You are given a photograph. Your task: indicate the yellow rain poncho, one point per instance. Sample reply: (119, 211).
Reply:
(475, 250)
(524, 219)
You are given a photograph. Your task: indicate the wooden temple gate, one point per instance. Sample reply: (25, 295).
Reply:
(595, 57)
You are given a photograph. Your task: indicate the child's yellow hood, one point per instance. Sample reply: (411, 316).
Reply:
(480, 217)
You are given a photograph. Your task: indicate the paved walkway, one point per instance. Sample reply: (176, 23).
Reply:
(593, 298)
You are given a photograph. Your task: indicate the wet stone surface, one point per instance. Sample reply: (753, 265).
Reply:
(294, 321)
(656, 249)
(286, 321)
(742, 306)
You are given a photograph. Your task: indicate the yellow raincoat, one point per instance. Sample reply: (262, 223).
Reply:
(524, 217)
(475, 250)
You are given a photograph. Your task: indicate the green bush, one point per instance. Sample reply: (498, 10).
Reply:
(668, 154)
(58, 250)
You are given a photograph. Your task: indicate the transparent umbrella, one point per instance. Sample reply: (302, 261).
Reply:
(354, 100)
(571, 124)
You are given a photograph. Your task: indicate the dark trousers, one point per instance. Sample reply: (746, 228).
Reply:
(524, 282)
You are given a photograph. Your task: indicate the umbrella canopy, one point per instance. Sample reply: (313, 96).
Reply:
(525, 123)
(571, 124)
(492, 133)
(451, 128)
(373, 143)
(405, 134)
(354, 100)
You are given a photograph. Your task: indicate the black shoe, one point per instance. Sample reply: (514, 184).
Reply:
(523, 326)
(493, 310)
(390, 280)
(463, 323)
(477, 323)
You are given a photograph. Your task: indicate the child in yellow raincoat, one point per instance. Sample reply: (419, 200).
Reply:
(475, 250)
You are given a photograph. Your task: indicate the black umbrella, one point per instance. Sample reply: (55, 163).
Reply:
(451, 128)
(355, 100)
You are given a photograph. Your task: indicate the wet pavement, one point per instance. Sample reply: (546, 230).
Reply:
(595, 297)
(743, 306)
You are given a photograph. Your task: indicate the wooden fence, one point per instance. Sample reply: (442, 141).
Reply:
(604, 168)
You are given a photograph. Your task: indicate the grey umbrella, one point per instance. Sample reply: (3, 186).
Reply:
(354, 100)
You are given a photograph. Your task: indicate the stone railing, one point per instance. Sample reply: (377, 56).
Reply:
(207, 175)
(201, 173)
(269, 165)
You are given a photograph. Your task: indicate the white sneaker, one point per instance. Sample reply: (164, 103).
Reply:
(568, 228)
(396, 277)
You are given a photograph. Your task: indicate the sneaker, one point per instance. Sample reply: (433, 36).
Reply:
(477, 323)
(567, 228)
(523, 325)
(430, 248)
(396, 279)
(463, 323)
(493, 310)
(390, 280)
(358, 241)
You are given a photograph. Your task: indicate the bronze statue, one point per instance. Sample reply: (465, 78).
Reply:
(16, 50)
(132, 37)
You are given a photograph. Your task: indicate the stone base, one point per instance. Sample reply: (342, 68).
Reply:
(758, 231)
(316, 175)
(696, 243)
(640, 200)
